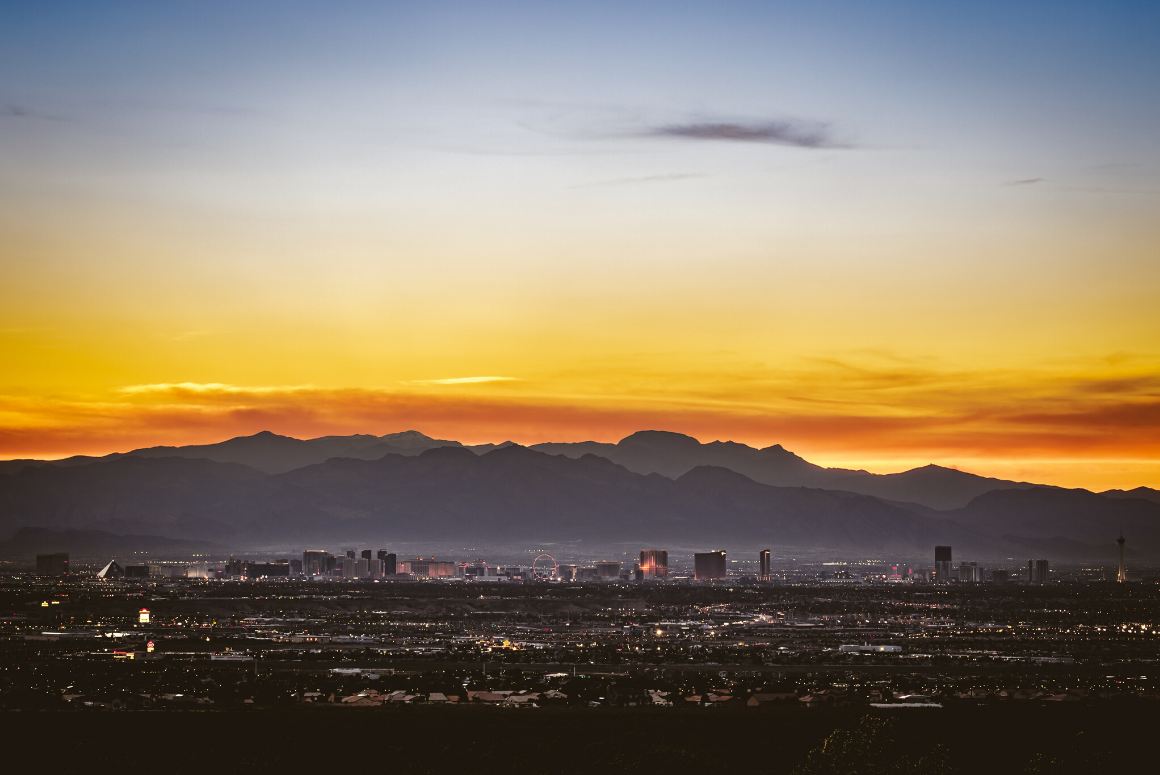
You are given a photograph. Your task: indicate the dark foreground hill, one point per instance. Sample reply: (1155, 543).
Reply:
(518, 494)
(1058, 738)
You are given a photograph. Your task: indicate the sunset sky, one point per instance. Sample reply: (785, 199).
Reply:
(879, 234)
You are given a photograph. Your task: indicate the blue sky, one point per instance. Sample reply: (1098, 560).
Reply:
(719, 194)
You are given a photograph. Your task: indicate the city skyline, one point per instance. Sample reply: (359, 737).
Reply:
(373, 369)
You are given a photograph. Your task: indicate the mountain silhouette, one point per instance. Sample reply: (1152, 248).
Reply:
(269, 452)
(673, 454)
(514, 493)
(1145, 493)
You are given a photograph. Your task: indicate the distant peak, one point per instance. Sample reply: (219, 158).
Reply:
(780, 451)
(507, 446)
(777, 449)
(654, 437)
(406, 435)
(263, 436)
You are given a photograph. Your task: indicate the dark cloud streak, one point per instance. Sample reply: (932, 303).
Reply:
(18, 111)
(791, 133)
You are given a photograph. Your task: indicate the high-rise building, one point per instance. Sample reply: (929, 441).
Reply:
(349, 567)
(350, 554)
(608, 570)
(366, 554)
(389, 562)
(314, 562)
(1122, 573)
(362, 568)
(1037, 571)
(52, 564)
(999, 576)
(709, 565)
(655, 563)
(763, 560)
(970, 572)
(257, 570)
(942, 564)
(429, 569)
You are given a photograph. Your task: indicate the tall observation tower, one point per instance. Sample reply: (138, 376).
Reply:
(1122, 576)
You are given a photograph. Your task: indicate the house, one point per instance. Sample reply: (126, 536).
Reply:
(494, 698)
(527, 700)
(660, 699)
(765, 698)
(403, 697)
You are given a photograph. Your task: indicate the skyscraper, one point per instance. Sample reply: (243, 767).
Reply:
(942, 564)
(709, 565)
(366, 554)
(1037, 571)
(763, 573)
(654, 562)
(1122, 574)
(388, 562)
(970, 572)
(314, 562)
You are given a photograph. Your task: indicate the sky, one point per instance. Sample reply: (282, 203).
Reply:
(880, 234)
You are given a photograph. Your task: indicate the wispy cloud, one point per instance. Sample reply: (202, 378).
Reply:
(460, 380)
(19, 111)
(209, 388)
(798, 134)
(1025, 182)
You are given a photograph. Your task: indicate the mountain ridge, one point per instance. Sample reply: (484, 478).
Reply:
(515, 493)
(664, 452)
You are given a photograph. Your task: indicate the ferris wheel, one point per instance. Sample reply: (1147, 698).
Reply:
(544, 567)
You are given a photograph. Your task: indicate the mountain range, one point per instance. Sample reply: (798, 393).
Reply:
(652, 487)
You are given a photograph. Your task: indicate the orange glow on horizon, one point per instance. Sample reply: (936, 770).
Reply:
(1056, 429)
